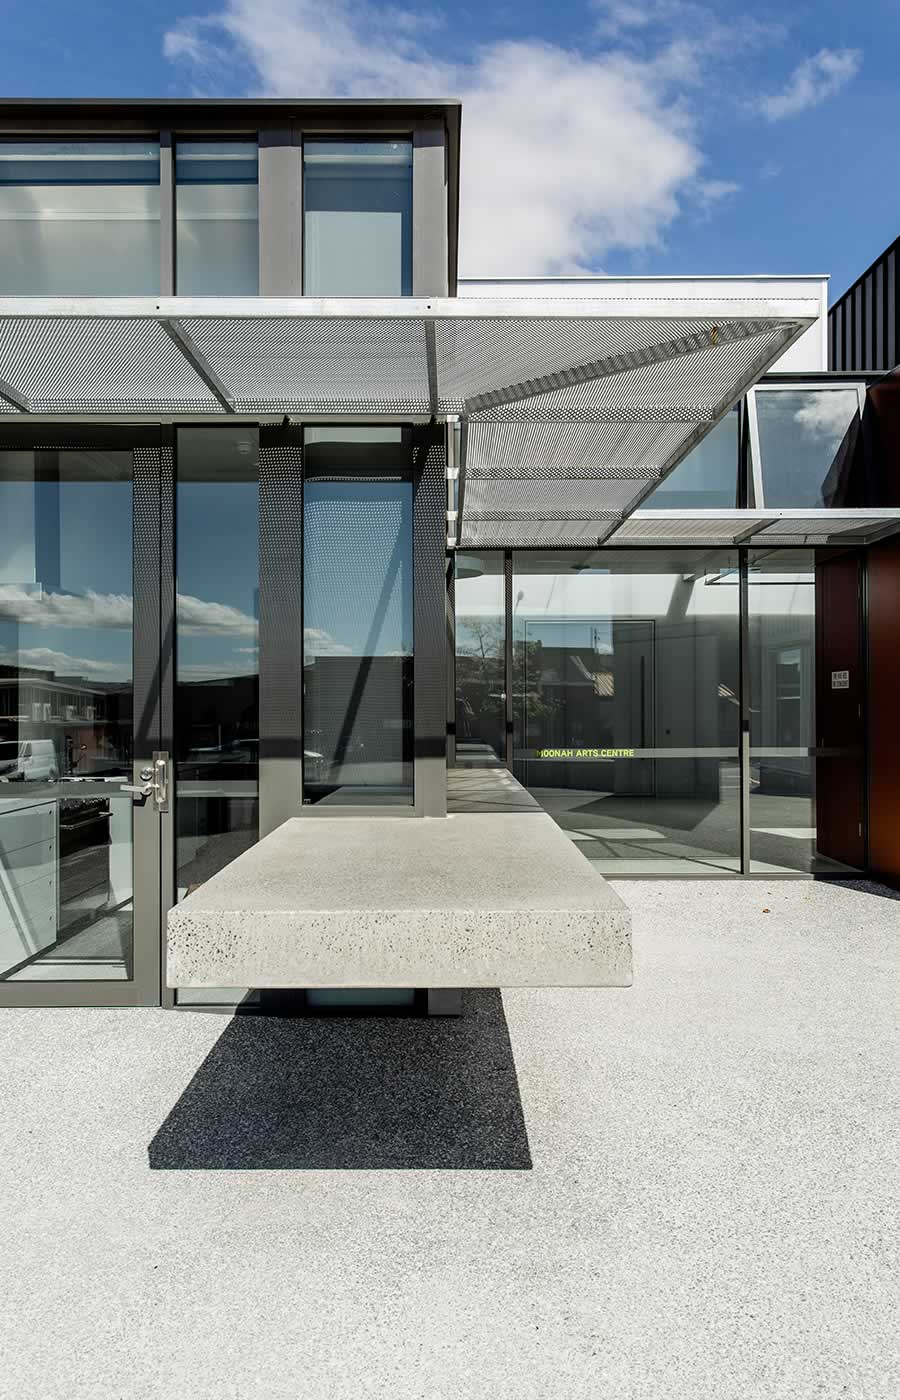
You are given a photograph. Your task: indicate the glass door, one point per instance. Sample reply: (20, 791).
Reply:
(807, 733)
(82, 782)
(626, 682)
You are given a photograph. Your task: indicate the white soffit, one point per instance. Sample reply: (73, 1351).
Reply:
(552, 391)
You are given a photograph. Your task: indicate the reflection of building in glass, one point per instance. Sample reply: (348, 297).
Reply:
(88, 723)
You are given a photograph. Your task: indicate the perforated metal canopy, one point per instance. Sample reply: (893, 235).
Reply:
(571, 410)
(724, 528)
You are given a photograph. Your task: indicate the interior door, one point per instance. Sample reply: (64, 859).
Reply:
(82, 779)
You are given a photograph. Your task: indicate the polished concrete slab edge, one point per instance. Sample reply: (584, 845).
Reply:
(472, 900)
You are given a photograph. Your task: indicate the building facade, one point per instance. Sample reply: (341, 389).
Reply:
(293, 521)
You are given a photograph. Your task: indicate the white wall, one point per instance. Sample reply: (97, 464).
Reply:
(808, 355)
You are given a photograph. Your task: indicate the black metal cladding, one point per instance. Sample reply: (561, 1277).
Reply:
(862, 324)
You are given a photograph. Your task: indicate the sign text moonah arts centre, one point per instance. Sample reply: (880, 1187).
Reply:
(585, 753)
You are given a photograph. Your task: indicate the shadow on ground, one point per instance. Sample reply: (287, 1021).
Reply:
(353, 1093)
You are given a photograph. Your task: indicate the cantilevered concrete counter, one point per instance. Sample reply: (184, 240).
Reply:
(488, 899)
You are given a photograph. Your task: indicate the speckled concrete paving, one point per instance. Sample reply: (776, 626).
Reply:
(710, 1210)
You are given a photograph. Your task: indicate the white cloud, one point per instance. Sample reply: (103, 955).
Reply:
(196, 616)
(616, 17)
(827, 416)
(813, 81)
(566, 153)
(62, 664)
(681, 37)
(317, 642)
(88, 610)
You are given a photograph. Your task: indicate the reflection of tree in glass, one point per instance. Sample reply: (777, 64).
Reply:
(479, 674)
(538, 704)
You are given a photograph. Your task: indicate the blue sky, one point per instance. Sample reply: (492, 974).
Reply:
(611, 135)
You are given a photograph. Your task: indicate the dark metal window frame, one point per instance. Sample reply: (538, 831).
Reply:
(151, 835)
(797, 384)
(279, 133)
(404, 134)
(168, 198)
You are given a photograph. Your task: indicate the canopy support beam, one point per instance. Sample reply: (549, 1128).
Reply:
(198, 361)
(13, 397)
(431, 366)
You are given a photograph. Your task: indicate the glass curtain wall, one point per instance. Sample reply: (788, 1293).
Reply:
(79, 218)
(627, 699)
(357, 218)
(480, 660)
(217, 218)
(358, 616)
(66, 710)
(626, 683)
(216, 760)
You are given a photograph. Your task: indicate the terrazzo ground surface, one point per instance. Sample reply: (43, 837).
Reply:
(683, 1189)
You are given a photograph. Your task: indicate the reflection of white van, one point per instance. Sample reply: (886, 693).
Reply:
(28, 761)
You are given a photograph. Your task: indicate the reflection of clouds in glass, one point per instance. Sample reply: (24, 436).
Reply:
(114, 611)
(317, 642)
(38, 609)
(827, 415)
(196, 616)
(62, 664)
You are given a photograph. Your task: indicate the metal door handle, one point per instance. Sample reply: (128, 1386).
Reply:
(156, 784)
(161, 781)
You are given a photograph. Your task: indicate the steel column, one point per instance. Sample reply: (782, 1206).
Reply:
(744, 713)
(280, 213)
(430, 620)
(280, 626)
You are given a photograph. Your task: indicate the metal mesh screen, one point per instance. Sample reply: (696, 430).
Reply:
(687, 389)
(572, 408)
(564, 451)
(826, 525)
(598, 443)
(642, 529)
(750, 527)
(523, 534)
(562, 343)
(318, 366)
(99, 366)
(549, 500)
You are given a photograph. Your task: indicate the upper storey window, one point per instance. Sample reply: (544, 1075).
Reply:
(808, 441)
(357, 211)
(217, 218)
(79, 218)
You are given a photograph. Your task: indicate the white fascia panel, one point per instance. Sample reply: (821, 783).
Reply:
(808, 354)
